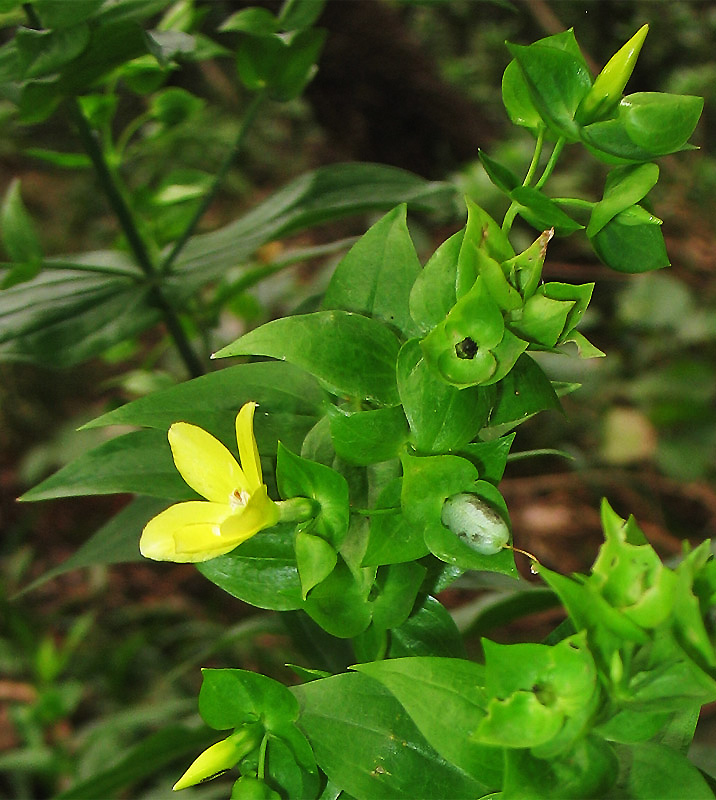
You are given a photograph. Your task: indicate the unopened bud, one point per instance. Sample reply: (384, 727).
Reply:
(476, 523)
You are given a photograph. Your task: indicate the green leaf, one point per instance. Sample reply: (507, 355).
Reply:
(586, 770)
(441, 416)
(422, 685)
(57, 159)
(651, 770)
(301, 14)
(542, 212)
(428, 631)
(490, 458)
(396, 588)
(501, 176)
(660, 123)
(393, 538)
(328, 193)
(351, 354)
(388, 758)
(557, 81)
(368, 437)
(624, 187)
(19, 237)
(43, 53)
(315, 558)
(63, 15)
(427, 483)
(517, 100)
(62, 317)
(375, 277)
(256, 21)
(139, 462)
(290, 402)
(261, 571)
(433, 293)
(116, 542)
(482, 233)
(299, 477)
(339, 604)
(233, 697)
(632, 242)
(525, 391)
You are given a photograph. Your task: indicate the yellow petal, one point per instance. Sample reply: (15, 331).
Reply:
(248, 451)
(204, 463)
(260, 512)
(187, 521)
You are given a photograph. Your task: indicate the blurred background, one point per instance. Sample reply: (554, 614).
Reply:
(97, 660)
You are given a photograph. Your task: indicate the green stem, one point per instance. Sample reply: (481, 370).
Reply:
(552, 163)
(511, 212)
(375, 512)
(208, 198)
(136, 243)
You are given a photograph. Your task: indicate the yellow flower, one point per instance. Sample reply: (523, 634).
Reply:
(238, 503)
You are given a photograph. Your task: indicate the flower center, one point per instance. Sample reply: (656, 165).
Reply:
(239, 498)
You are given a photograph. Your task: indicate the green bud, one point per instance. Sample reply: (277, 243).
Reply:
(475, 522)
(606, 92)
(222, 756)
(297, 509)
(524, 271)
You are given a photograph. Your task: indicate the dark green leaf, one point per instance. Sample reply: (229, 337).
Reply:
(325, 194)
(501, 176)
(660, 123)
(352, 354)
(253, 20)
(261, 571)
(441, 416)
(428, 631)
(44, 53)
(397, 586)
(62, 15)
(315, 558)
(422, 685)
(632, 242)
(517, 100)
(490, 458)
(63, 316)
(542, 212)
(139, 462)
(388, 759)
(525, 391)
(301, 14)
(368, 437)
(375, 277)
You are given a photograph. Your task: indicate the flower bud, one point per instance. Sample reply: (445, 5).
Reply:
(606, 92)
(221, 756)
(476, 523)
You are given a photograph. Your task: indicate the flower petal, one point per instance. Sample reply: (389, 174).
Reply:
(204, 463)
(188, 522)
(259, 513)
(248, 451)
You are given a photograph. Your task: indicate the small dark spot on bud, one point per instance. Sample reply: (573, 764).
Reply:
(466, 348)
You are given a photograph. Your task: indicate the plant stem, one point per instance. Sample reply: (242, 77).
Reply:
(511, 212)
(136, 243)
(552, 163)
(208, 198)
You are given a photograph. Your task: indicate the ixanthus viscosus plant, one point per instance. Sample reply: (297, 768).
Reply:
(384, 423)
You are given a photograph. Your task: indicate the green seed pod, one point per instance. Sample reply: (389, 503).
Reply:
(475, 522)
(606, 92)
(250, 788)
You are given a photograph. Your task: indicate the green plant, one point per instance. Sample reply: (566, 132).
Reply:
(390, 411)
